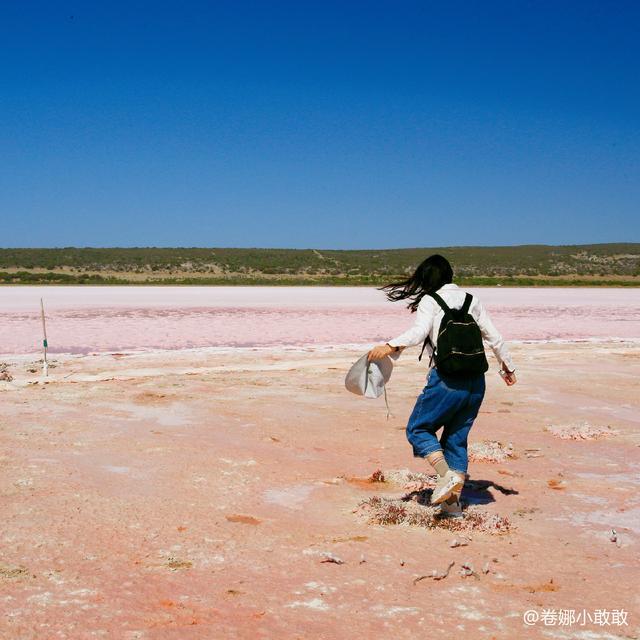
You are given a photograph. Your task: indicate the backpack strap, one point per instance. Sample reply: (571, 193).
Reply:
(443, 305)
(467, 303)
(427, 341)
(441, 302)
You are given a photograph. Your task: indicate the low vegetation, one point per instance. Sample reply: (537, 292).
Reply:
(525, 265)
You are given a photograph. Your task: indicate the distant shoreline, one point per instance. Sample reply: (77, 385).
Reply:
(631, 282)
(595, 265)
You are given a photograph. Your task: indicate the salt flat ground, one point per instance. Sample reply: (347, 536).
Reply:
(198, 493)
(87, 319)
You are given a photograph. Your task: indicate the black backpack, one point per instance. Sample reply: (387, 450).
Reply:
(459, 350)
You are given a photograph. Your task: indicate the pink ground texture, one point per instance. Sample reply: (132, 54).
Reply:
(93, 319)
(221, 493)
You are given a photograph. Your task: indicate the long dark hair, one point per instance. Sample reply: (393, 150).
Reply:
(430, 275)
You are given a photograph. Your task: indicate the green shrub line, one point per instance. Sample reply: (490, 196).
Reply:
(522, 260)
(612, 264)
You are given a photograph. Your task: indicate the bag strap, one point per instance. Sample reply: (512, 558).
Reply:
(386, 402)
(389, 414)
(427, 341)
(467, 304)
(441, 302)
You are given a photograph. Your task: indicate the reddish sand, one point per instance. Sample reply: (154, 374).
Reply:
(215, 494)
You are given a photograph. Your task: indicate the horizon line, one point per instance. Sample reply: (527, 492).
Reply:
(275, 248)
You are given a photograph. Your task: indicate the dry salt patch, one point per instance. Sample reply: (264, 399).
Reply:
(4, 372)
(404, 477)
(12, 572)
(582, 431)
(315, 603)
(491, 451)
(382, 611)
(414, 510)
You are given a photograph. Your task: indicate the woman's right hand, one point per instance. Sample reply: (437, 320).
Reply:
(509, 377)
(380, 352)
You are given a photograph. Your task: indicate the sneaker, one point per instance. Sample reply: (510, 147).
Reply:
(451, 508)
(451, 482)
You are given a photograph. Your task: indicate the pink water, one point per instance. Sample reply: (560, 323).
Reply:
(91, 319)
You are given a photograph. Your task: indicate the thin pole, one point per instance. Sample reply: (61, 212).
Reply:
(45, 367)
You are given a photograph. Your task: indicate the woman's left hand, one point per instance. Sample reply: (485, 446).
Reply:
(380, 352)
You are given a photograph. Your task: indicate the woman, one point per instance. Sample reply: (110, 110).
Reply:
(448, 401)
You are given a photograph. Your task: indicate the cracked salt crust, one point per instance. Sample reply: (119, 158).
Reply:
(238, 463)
(319, 586)
(469, 613)
(382, 611)
(41, 599)
(316, 603)
(290, 497)
(581, 635)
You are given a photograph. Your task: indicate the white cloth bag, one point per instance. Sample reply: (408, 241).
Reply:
(368, 379)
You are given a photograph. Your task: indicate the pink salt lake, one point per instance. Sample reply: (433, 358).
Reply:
(106, 319)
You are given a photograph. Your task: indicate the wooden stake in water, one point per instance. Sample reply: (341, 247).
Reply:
(45, 366)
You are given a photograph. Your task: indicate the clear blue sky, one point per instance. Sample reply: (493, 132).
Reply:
(319, 124)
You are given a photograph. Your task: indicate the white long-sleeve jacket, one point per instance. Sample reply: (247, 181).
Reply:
(429, 315)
